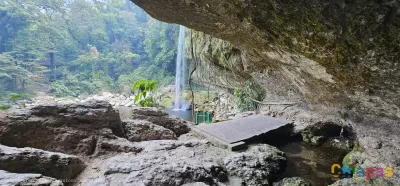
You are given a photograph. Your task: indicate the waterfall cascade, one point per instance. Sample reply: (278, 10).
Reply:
(179, 103)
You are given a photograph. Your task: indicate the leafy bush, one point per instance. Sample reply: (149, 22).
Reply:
(243, 103)
(143, 89)
(245, 98)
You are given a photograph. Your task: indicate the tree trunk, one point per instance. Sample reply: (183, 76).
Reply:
(23, 85)
(14, 83)
(52, 77)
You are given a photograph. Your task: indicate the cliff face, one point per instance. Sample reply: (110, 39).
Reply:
(324, 49)
(341, 54)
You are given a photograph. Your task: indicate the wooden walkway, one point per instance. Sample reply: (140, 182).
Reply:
(239, 130)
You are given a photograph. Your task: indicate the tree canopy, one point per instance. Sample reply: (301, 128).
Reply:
(80, 46)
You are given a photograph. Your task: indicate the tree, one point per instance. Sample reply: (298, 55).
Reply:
(80, 46)
(12, 74)
(161, 44)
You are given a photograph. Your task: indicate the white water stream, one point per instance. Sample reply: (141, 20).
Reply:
(180, 103)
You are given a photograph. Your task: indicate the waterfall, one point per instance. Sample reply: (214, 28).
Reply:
(180, 71)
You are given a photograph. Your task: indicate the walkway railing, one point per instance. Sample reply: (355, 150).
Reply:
(203, 117)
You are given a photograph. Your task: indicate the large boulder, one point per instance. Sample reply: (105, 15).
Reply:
(30, 160)
(259, 165)
(7, 178)
(70, 128)
(156, 169)
(140, 130)
(161, 118)
(161, 162)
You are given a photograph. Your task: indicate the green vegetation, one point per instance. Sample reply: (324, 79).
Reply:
(243, 103)
(4, 107)
(15, 97)
(78, 46)
(143, 89)
(346, 159)
(247, 97)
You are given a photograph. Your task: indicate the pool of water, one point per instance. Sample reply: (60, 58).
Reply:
(313, 163)
(183, 114)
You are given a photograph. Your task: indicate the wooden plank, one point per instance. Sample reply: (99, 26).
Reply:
(242, 129)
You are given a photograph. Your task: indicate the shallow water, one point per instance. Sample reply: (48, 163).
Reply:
(313, 163)
(183, 114)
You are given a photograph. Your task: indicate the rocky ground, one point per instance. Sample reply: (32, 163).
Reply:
(88, 144)
(114, 99)
(221, 103)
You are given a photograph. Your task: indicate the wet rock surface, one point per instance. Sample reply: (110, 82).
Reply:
(311, 162)
(7, 178)
(339, 136)
(30, 160)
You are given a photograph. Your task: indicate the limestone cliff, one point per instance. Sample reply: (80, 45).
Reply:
(341, 54)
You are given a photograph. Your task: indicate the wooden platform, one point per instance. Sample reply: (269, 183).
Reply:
(238, 130)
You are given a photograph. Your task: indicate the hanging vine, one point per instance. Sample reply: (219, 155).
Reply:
(193, 70)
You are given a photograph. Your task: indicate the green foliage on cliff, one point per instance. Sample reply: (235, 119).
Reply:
(74, 47)
(247, 97)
